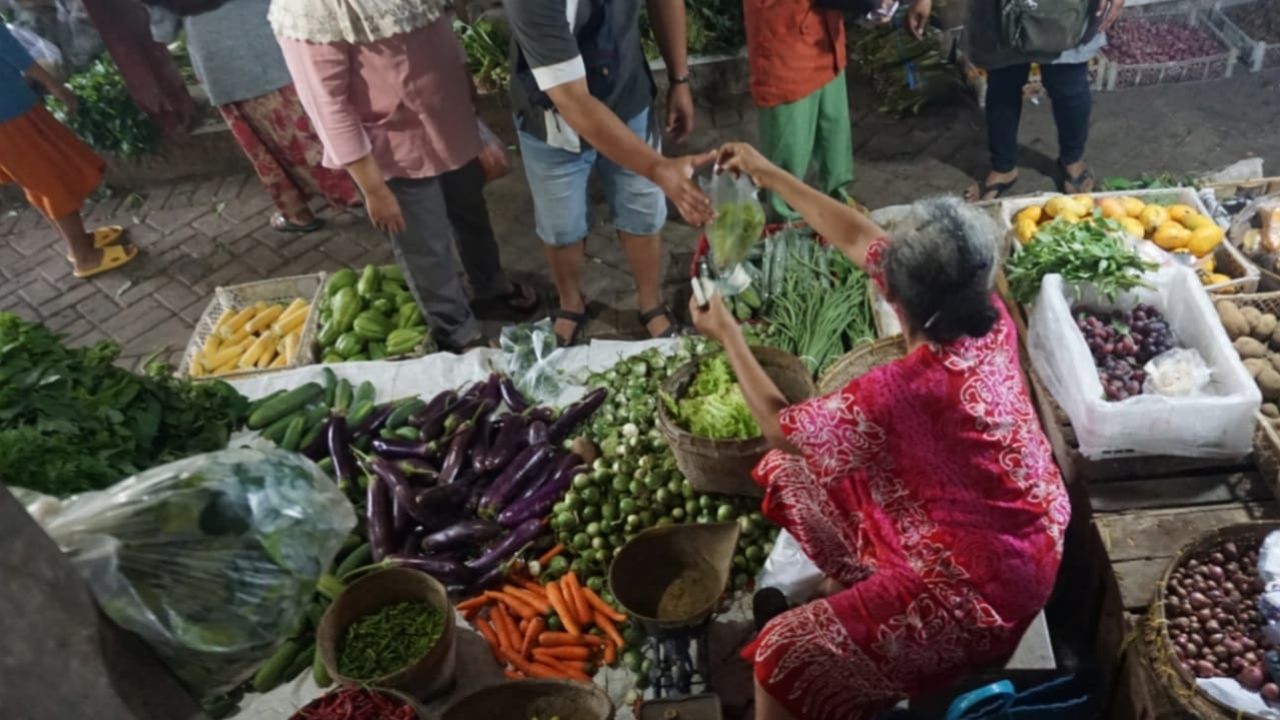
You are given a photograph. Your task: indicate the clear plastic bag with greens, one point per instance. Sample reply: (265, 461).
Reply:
(531, 355)
(212, 560)
(737, 227)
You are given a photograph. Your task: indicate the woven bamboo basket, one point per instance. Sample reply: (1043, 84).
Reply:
(860, 360)
(724, 466)
(1179, 685)
(524, 699)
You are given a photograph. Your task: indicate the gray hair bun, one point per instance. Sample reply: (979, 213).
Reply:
(940, 268)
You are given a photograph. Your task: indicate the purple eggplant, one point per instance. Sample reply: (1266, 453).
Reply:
(545, 414)
(420, 473)
(537, 433)
(478, 488)
(480, 444)
(473, 391)
(537, 504)
(510, 441)
(575, 414)
(527, 465)
(462, 412)
(462, 534)
(344, 466)
(506, 546)
(399, 449)
(446, 571)
(512, 396)
(319, 446)
(438, 406)
(566, 464)
(457, 454)
(412, 544)
(442, 498)
(401, 521)
(492, 389)
(375, 421)
(378, 508)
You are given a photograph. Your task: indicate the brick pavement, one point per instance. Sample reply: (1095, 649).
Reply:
(201, 233)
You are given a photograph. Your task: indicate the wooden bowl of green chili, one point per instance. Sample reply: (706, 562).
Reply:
(391, 629)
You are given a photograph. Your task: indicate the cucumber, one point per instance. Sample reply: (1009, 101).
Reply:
(275, 432)
(253, 406)
(301, 661)
(330, 386)
(286, 404)
(406, 410)
(408, 432)
(359, 557)
(326, 464)
(312, 432)
(387, 434)
(359, 413)
(342, 397)
(364, 393)
(319, 672)
(293, 434)
(272, 671)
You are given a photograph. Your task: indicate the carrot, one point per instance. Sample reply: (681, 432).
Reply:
(490, 636)
(516, 661)
(605, 624)
(532, 586)
(540, 670)
(565, 652)
(568, 666)
(551, 554)
(513, 674)
(537, 601)
(601, 606)
(518, 606)
(610, 654)
(470, 614)
(562, 609)
(555, 639)
(536, 627)
(478, 601)
(506, 628)
(579, 606)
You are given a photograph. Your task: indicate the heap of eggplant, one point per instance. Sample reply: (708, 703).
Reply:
(463, 486)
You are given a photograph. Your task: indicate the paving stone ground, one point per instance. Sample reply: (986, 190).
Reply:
(198, 234)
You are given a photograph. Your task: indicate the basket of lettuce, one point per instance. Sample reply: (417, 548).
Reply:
(708, 425)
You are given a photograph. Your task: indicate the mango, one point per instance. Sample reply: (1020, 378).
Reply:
(1152, 217)
(1025, 229)
(1170, 235)
(1112, 208)
(1084, 202)
(1069, 216)
(1060, 204)
(1204, 239)
(1195, 221)
(1133, 227)
(1180, 211)
(1133, 207)
(1031, 212)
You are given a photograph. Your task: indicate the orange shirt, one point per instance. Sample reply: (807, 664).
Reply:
(793, 48)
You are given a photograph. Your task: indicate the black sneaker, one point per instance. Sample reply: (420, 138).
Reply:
(767, 604)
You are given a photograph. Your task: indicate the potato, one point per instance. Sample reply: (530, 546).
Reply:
(1274, 359)
(1275, 337)
(1251, 315)
(1271, 410)
(1269, 383)
(1265, 327)
(1232, 319)
(1250, 348)
(1256, 366)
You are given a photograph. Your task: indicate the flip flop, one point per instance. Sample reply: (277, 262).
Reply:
(104, 236)
(1000, 189)
(673, 330)
(280, 223)
(579, 320)
(1074, 181)
(520, 299)
(113, 256)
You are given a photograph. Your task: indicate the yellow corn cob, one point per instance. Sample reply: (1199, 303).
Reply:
(197, 366)
(268, 354)
(263, 320)
(228, 353)
(290, 348)
(294, 306)
(211, 344)
(287, 323)
(279, 362)
(225, 367)
(238, 321)
(238, 337)
(223, 319)
(255, 351)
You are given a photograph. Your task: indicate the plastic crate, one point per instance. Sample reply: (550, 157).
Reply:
(1256, 54)
(237, 297)
(1119, 76)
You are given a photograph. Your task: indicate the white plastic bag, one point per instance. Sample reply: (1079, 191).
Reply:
(531, 355)
(1218, 423)
(212, 560)
(788, 569)
(738, 225)
(1180, 372)
(493, 154)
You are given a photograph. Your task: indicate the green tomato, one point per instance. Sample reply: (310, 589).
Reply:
(558, 565)
(663, 521)
(626, 506)
(581, 541)
(755, 553)
(691, 507)
(739, 561)
(620, 483)
(663, 497)
(675, 486)
(608, 512)
(593, 529)
(633, 522)
(572, 500)
(725, 513)
(636, 488)
(677, 514)
(581, 482)
(590, 513)
(596, 583)
(705, 502)
(553, 623)
(591, 495)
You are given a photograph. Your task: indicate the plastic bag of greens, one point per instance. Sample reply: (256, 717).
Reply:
(212, 560)
(531, 355)
(737, 227)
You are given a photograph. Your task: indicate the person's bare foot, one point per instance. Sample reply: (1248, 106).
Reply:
(995, 185)
(91, 258)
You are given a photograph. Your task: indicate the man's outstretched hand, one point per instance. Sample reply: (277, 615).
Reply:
(675, 177)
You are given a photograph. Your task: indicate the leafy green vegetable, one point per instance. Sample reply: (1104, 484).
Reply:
(108, 119)
(389, 640)
(71, 421)
(713, 405)
(735, 230)
(1092, 251)
(1147, 181)
(488, 49)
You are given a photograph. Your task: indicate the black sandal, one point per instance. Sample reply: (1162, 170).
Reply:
(1000, 189)
(280, 223)
(579, 320)
(1075, 181)
(648, 316)
(520, 301)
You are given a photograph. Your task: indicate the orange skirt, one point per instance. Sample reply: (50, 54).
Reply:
(55, 169)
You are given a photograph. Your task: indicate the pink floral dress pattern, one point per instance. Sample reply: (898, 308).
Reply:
(928, 488)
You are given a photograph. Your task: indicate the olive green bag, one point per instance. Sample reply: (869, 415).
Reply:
(1044, 28)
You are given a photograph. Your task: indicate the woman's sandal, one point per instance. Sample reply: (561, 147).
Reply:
(652, 314)
(280, 223)
(1000, 189)
(104, 236)
(520, 299)
(113, 256)
(1075, 181)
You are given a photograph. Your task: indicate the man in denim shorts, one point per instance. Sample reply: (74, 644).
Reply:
(583, 97)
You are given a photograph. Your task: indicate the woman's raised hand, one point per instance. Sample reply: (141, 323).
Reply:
(742, 159)
(715, 321)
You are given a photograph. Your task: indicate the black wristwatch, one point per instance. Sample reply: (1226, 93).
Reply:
(678, 79)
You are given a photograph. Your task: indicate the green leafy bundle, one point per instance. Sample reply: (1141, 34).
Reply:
(108, 119)
(71, 421)
(488, 48)
(713, 405)
(1092, 251)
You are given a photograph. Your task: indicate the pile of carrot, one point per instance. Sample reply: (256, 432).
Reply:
(513, 620)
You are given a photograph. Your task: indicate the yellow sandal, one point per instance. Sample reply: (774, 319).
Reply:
(113, 256)
(104, 236)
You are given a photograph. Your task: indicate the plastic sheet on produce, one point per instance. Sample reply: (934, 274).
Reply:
(1230, 693)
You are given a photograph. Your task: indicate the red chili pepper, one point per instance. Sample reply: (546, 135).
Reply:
(355, 704)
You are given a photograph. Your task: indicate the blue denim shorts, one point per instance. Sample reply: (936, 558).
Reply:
(558, 181)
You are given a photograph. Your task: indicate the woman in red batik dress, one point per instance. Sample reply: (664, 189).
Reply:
(924, 490)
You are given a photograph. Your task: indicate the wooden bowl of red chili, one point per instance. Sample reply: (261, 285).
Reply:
(356, 703)
(391, 629)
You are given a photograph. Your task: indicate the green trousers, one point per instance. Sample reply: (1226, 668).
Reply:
(809, 131)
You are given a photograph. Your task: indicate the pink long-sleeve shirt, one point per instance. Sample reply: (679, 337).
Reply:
(406, 99)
